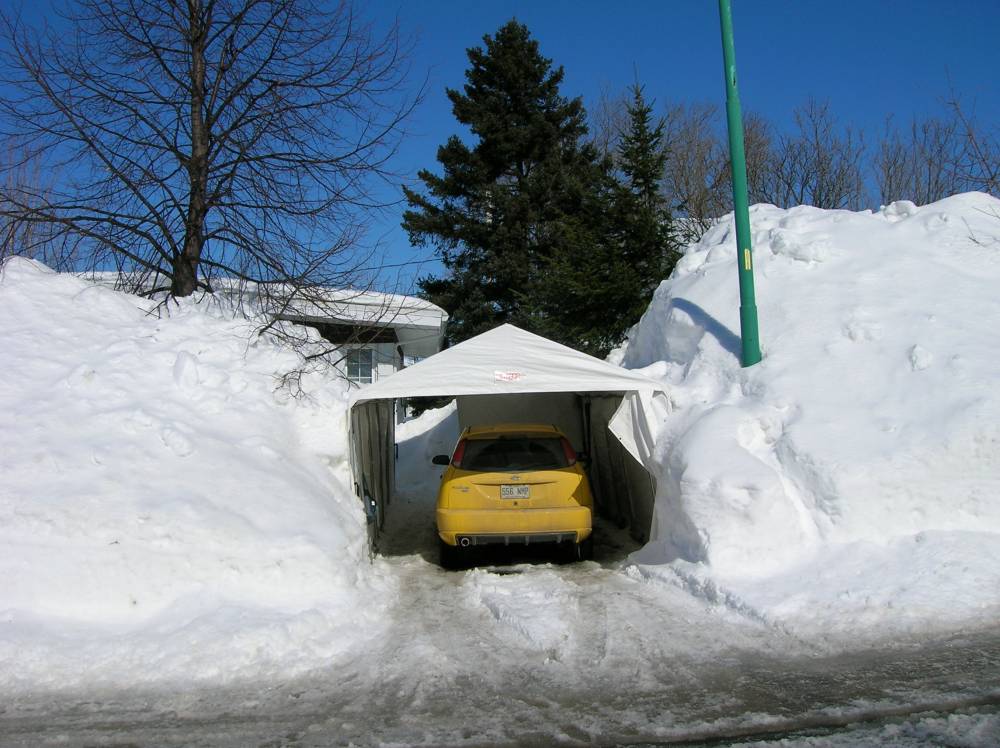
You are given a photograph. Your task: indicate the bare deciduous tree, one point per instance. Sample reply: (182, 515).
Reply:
(818, 165)
(607, 120)
(921, 165)
(758, 142)
(25, 238)
(697, 169)
(977, 165)
(203, 139)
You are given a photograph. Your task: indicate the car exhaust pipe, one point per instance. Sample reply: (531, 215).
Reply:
(464, 542)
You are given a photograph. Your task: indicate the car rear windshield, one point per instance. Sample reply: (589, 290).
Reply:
(514, 453)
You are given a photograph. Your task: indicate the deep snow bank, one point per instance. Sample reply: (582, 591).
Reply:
(866, 445)
(165, 511)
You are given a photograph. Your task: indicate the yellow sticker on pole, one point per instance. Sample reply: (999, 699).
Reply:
(746, 259)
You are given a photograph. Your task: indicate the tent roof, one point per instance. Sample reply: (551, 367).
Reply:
(503, 360)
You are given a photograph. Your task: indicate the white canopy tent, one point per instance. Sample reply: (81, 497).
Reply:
(513, 376)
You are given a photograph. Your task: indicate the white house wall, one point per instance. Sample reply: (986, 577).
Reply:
(385, 359)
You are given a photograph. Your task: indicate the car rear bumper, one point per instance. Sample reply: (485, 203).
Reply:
(510, 527)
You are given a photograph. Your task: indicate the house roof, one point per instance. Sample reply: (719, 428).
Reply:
(419, 324)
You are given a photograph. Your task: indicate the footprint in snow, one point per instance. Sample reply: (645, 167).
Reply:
(179, 444)
(920, 358)
(82, 375)
(136, 421)
(186, 375)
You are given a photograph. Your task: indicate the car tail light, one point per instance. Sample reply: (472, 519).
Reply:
(456, 459)
(569, 451)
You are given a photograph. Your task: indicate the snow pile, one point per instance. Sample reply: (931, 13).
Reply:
(166, 511)
(857, 468)
(433, 432)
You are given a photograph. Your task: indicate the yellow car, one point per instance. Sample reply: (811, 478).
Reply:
(513, 484)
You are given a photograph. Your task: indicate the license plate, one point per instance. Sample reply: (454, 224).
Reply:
(515, 492)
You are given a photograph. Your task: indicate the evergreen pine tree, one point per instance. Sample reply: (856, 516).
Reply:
(527, 190)
(642, 211)
(591, 298)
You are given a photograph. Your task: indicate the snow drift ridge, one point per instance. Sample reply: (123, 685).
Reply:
(874, 414)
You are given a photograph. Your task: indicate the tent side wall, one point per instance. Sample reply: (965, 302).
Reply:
(626, 490)
(373, 459)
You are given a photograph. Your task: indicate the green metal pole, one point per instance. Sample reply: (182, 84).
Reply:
(749, 334)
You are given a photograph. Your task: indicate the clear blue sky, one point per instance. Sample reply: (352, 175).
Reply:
(868, 59)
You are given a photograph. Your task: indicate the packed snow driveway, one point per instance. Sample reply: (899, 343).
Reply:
(587, 654)
(542, 655)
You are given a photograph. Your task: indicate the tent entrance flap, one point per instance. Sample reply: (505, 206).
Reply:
(373, 459)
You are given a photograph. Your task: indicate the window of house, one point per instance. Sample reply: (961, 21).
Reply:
(359, 365)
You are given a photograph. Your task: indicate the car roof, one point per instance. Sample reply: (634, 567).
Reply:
(501, 429)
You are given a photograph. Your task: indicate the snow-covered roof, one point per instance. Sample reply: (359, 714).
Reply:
(419, 324)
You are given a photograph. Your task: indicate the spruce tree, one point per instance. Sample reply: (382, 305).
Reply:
(526, 189)
(593, 297)
(642, 211)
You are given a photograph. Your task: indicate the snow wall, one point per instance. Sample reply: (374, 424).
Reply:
(167, 511)
(874, 417)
